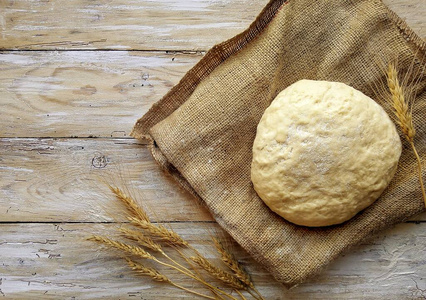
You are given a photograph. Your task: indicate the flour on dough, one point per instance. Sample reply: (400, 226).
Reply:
(322, 153)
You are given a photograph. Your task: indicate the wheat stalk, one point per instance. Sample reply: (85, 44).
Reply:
(147, 242)
(157, 276)
(139, 218)
(217, 273)
(143, 254)
(403, 115)
(232, 263)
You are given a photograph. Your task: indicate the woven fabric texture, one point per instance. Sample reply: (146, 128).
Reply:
(203, 130)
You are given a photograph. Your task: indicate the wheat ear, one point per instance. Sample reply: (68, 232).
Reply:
(145, 271)
(138, 251)
(131, 205)
(217, 273)
(143, 254)
(403, 115)
(147, 242)
(142, 239)
(138, 217)
(232, 263)
(399, 104)
(159, 231)
(157, 276)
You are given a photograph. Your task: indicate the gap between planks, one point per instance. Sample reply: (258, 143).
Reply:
(124, 222)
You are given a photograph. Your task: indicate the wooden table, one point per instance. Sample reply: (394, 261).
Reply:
(75, 76)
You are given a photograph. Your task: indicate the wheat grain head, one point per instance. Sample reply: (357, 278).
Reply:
(404, 116)
(138, 251)
(142, 239)
(217, 273)
(159, 231)
(130, 203)
(400, 105)
(232, 263)
(145, 271)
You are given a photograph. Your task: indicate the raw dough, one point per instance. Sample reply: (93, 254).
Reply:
(323, 152)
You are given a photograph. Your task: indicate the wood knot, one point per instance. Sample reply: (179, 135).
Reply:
(99, 161)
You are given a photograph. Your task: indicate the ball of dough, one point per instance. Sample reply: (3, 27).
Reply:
(323, 152)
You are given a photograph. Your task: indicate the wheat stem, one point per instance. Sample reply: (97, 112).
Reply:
(193, 277)
(257, 293)
(143, 254)
(138, 217)
(191, 291)
(419, 165)
(190, 263)
(157, 276)
(241, 295)
(176, 263)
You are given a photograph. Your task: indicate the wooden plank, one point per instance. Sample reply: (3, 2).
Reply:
(141, 24)
(60, 180)
(413, 12)
(122, 24)
(55, 262)
(83, 93)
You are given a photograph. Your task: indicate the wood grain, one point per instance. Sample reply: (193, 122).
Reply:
(61, 180)
(83, 93)
(53, 261)
(51, 197)
(121, 24)
(141, 24)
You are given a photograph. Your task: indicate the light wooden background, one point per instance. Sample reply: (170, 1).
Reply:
(74, 77)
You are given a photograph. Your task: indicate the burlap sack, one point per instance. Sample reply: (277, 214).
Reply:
(202, 131)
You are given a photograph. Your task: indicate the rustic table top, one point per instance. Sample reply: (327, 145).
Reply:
(75, 76)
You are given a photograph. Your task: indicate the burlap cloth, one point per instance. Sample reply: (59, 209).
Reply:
(202, 131)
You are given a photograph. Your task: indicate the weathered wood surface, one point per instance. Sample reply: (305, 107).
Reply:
(50, 195)
(83, 93)
(62, 180)
(122, 24)
(142, 25)
(54, 261)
